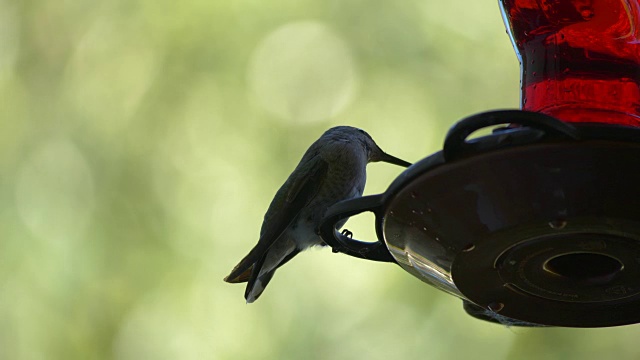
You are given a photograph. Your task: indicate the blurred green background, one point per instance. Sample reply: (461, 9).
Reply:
(141, 142)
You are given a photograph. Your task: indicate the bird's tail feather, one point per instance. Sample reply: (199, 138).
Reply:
(261, 274)
(242, 271)
(257, 286)
(243, 277)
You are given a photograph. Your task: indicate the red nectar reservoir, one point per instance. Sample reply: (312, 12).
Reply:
(579, 59)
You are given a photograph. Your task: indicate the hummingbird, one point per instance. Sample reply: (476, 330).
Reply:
(332, 169)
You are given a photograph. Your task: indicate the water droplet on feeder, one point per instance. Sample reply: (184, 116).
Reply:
(587, 13)
(468, 248)
(558, 224)
(496, 306)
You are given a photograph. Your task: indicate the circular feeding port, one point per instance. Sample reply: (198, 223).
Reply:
(584, 267)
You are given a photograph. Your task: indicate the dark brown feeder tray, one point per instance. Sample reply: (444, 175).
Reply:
(535, 224)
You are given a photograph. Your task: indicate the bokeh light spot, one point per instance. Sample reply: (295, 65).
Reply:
(109, 74)
(303, 72)
(55, 192)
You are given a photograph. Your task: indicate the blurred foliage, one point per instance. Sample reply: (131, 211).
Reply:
(141, 142)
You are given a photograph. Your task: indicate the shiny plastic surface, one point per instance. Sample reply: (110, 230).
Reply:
(523, 232)
(535, 224)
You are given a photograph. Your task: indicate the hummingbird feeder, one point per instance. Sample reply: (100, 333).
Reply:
(539, 222)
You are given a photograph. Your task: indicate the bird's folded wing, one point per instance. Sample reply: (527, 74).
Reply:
(304, 185)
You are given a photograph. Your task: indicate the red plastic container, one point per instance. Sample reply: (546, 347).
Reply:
(580, 59)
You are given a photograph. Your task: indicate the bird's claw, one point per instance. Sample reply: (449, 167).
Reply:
(347, 233)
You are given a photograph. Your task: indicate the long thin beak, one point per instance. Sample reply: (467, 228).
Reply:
(393, 160)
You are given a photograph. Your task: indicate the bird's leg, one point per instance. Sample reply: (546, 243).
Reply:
(344, 232)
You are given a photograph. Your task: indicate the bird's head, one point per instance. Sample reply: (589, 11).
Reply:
(362, 138)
